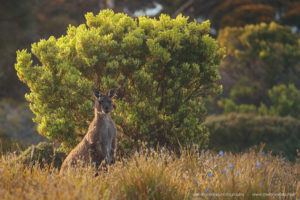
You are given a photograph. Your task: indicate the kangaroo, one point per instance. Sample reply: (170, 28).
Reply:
(99, 143)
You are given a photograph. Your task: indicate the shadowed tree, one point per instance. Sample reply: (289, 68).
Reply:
(16, 31)
(242, 12)
(259, 57)
(292, 15)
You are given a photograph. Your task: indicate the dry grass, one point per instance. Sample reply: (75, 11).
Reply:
(153, 175)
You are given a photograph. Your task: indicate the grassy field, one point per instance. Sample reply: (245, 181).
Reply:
(158, 175)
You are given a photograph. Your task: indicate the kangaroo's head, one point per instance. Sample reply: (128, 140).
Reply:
(104, 102)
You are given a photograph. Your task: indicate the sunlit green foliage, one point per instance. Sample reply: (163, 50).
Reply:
(161, 68)
(259, 57)
(230, 106)
(285, 101)
(237, 132)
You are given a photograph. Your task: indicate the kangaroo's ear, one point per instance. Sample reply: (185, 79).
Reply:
(111, 93)
(97, 93)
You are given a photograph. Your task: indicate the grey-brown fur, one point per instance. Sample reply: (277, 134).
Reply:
(99, 142)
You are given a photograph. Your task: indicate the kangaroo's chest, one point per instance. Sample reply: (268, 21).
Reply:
(107, 131)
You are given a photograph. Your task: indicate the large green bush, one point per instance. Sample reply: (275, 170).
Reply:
(161, 68)
(238, 132)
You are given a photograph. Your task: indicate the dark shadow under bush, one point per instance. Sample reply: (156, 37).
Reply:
(43, 153)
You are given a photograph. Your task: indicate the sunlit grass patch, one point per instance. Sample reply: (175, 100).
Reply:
(157, 175)
(246, 174)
